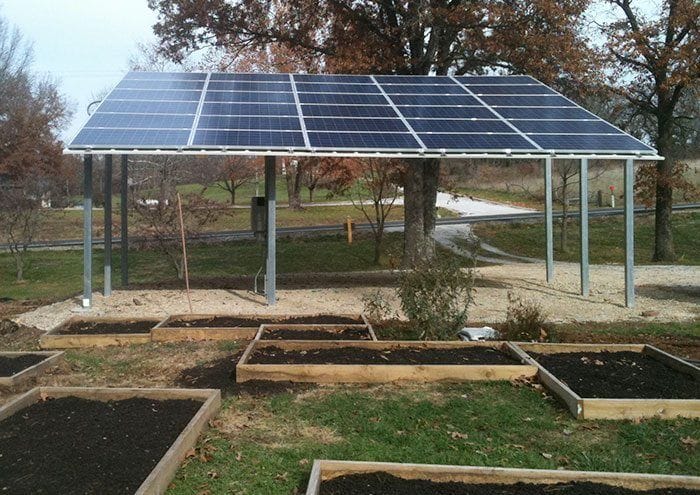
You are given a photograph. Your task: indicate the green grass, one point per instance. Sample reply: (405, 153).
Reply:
(496, 424)
(606, 239)
(58, 274)
(633, 329)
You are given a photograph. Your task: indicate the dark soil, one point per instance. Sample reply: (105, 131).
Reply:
(12, 365)
(233, 322)
(80, 446)
(358, 355)
(386, 484)
(102, 328)
(221, 374)
(619, 375)
(348, 333)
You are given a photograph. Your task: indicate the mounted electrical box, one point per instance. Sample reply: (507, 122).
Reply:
(258, 217)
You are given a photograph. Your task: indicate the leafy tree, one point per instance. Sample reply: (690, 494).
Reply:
(655, 61)
(234, 172)
(391, 36)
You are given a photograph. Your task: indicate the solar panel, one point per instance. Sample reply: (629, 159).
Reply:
(309, 113)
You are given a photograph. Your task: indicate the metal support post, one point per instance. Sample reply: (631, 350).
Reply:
(87, 231)
(548, 225)
(583, 210)
(629, 233)
(108, 227)
(124, 205)
(270, 196)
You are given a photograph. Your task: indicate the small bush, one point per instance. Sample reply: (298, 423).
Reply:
(376, 307)
(435, 297)
(525, 320)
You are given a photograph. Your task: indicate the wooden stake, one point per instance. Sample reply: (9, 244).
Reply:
(349, 226)
(184, 251)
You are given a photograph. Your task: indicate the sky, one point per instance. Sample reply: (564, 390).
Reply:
(84, 44)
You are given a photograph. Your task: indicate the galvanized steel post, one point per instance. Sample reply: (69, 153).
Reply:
(548, 225)
(271, 200)
(124, 190)
(108, 226)
(629, 233)
(583, 210)
(87, 231)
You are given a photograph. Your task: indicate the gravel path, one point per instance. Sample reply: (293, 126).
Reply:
(668, 293)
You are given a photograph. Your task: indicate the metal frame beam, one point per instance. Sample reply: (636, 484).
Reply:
(271, 200)
(583, 223)
(629, 233)
(124, 205)
(87, 231)
(108, 226)
(548, 223)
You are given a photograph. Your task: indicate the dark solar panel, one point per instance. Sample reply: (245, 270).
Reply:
(304, 112)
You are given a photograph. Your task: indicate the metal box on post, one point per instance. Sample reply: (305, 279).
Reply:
(258, 217)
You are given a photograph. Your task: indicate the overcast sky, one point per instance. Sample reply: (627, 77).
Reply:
(85, 44)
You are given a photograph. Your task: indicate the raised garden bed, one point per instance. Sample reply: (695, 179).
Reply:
(315, 332)
(382, 478)
(16, 368)
(100, 440)
(378, 361)
(617, 381)
(242, 327)
(79, 332)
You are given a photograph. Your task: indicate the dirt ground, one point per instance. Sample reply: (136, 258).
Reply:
(664, 293)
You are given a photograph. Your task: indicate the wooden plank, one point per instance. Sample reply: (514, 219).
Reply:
(590, 408)
(175, 334)
(672, 361)
(375, 373)
(20, 378)
(321, 327)
(326, 470)
(47, 341)
(160, 477)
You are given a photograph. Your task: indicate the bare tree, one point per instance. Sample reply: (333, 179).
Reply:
(20, 217)
(235, 172)
(380, 180)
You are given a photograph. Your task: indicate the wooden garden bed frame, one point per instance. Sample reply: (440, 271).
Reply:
(20, 378)
(163, 332)
(324, 470)
(588, 408)
(158, 480)
(319, 327)
(54, 340)
(376, 373)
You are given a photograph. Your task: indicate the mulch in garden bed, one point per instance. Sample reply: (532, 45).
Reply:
(348, 333)
(107, 327)
(397, 355)
(74, 445)
(619, 375)
(234, 321)
(12, 365)
(386, 484)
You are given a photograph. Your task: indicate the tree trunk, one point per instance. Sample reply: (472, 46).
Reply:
(431, 177)
(378, 238)
(311, 195)
(19, 267)
(292, 176)
(414, 227)
(232, 192)
(663, 235)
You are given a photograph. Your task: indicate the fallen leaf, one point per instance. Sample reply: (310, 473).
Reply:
(303, 462)
(239, 456)
(567, 432)
(457, 435)
(546, 455)
(213, 474)
(689, 441)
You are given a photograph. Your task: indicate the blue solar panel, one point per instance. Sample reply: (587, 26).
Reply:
(131, 138)
(527, 101)
(545, 113)
(434, 100)
(154, 95)
(245, 96)
(140, 121)
(476, 141)
(433, 125)
(565, 126)
(252, 109)
(162, 107)
(578, 142)
(446, 112)
(321, 78)
(337, 88)
(347, 111)
(167, 76)
(218, 76)
(493, 80)
(444, 89)
(254, 123)
(502, 89)
(257, 139)
(342, 99)
(366, 125)
(150, 84)
(362, 140)
(249, 86)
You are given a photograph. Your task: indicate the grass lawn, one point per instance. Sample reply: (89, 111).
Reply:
(606, 239)
(515, 198)
(58, 274)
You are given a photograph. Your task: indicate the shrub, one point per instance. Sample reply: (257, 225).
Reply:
(376, 307)
(435, 297)
(525, 320)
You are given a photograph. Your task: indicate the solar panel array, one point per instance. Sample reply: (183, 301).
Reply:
(346, 113)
